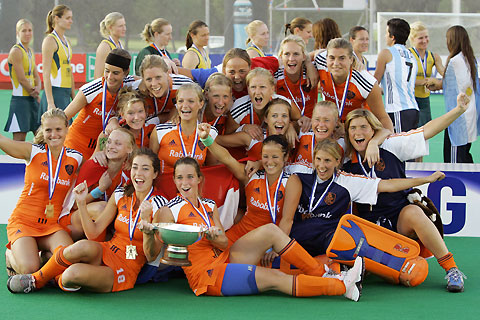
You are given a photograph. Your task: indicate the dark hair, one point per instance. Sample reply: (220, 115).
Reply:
(459, 41)
(323, 31)
(193, 29)
(353, 31)
(129, 189)
(278, 139)
(298, 22)
(189, 161)
(236, 53)
(399, 29)
(274, 102)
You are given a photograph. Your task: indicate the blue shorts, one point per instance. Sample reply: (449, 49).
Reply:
(404, 120)
(239, 280)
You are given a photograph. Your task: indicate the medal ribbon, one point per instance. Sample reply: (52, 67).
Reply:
(29, 54)
(67, 48)
(256, 47)
(202, 52)
(273, 211)
(163, 52)
(423, 61)
(302, 109)
(344, 98)
(203, 215)
(52, 183)
(164, 103)
(119, 43)
(194, 147)
(131, 227)
(104, 104)
(312, 208)
(372, 171)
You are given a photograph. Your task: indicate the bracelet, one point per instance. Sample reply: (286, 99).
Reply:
(96, 193)
(207, 141)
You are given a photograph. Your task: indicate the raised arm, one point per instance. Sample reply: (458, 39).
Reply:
(237, 139)
(77, 104)
(222, 154)
(16, 149)
(394, 185)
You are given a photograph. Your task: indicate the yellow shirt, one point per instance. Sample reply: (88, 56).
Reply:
(28, 62)
(420, 91)
(61, 73)
(204, 61)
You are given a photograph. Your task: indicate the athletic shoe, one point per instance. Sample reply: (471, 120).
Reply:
(353, 280)
(455, 280)
(21, 283)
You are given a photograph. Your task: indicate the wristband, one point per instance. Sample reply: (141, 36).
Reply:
(96, 193)
(207, 141)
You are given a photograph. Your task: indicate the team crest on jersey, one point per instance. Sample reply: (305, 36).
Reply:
(210, 214)
(330, 198)
(69, 169)
(45, 163)
(305, 146)
(350, 95)
(201, 145)
(172, 143)
(280, 195)
(124, 207)
(380, 165)
(210, 272)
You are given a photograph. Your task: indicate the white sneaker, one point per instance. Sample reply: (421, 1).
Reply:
(353, 280)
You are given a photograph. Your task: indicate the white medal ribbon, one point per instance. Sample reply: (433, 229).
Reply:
(164, 103)
(195, 142)
(67, 48)
(132, 226)
(372, 173)
(30, 60)
(273, 209)
(256, 47)
(312, 208)
(203, 53)
(203, 215)
(119, 43)
(141, 143)
(302, 109)
(163, 52)
(52, 183)
(104, 104)
(344, 98)
(423, 61)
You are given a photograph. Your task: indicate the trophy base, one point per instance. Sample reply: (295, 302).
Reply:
(176, 256)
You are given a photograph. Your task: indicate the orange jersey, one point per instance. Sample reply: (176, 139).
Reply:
(304, 150)
(219, 123)
(143, 139)
(114, 255)
(254, 149)
(258, 212)
(83, 133)
(171, 146)
(28, 217)
(303, 98)
(157, 106)
(205, 258)
(360, 85)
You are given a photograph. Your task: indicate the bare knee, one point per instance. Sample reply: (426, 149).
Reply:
(82, 251)
(269, 229)
(27, 267)
(73, 276)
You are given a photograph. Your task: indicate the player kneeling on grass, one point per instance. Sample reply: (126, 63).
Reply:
(105, 266)
(221, 271)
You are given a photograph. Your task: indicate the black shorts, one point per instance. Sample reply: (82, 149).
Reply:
(404, 120)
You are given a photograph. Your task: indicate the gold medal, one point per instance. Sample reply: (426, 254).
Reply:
(131, 252)
(49, 210)
(469, 91)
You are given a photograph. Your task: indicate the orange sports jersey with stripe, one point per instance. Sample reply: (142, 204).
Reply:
(83, 133)
(254, 150)
(171, 146)
(218, 123)
(114, 254)
(28, 217)
(243, 113)
(360, 86)
(293, 91)
(258, 213)
(304, 149)
(143, 139)
(206, 259)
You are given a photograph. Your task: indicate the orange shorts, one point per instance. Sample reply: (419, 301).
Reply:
(65, 221)
(125, 271)
(19, 229)
(216, 289)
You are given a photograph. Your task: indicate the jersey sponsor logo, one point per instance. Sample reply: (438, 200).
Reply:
(179, 154)
(311, 215)
(69, 169)
(331, 97)
(124, 219)
(97, 111)
(260, 205)
(62, 182)
(380, 165)
(350, 95)
(330, 198)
